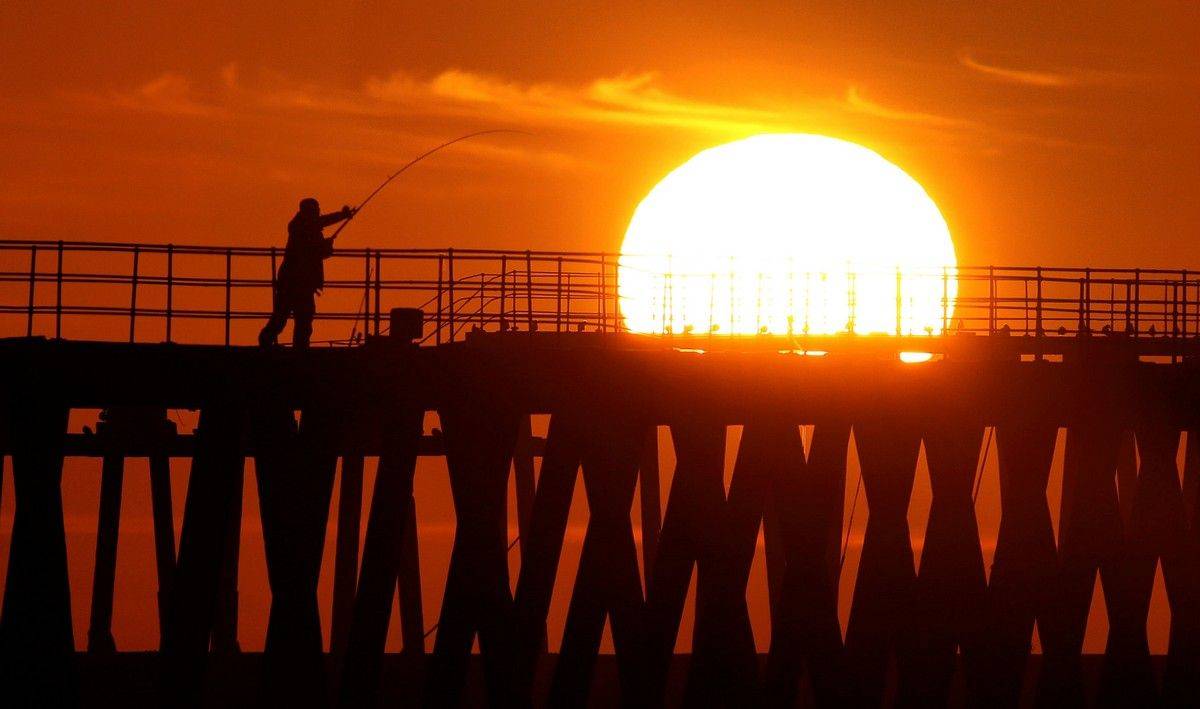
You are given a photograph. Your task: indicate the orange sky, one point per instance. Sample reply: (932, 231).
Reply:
(1061, 135)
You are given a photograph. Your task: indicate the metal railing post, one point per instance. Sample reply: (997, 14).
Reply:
(437, 332)
(1087, 298)
(991, 300)
(450, 291)
(603, 293)
(712, 303)
(946, 300)
(558, 295)
(899, 303)
(378, 289)
(503, 292)
(58, 281)
(1137, 302)
(366, 304)
(852, 300)
(732, 299)
(32, 289)
(228, 292)
(1184, 303)
(133, 290)
(758, 326)
(1037, 323)
(529, 291)
(170, 287)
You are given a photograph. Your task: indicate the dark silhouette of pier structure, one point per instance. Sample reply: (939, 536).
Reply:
(487, 339)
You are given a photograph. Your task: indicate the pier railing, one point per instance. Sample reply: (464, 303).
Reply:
(221, 295)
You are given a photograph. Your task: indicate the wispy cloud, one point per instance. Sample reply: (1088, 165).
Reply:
(1057, 78)
(990, 134)
(632, 99)
(169, 93)
(857, 102)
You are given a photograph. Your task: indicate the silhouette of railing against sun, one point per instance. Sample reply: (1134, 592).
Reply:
(204, 294)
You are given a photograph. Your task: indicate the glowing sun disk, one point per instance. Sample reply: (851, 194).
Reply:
(787, 234)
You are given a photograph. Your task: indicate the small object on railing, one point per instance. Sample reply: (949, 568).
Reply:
(406, 324)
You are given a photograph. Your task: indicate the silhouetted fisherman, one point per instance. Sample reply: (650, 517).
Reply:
(302, 273)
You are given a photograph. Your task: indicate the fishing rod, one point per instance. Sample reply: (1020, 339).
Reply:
(362, 306)
(414, 161)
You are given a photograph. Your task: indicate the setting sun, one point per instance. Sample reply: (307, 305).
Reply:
(787, 234)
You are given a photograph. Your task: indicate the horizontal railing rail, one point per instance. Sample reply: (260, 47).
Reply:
(205, 294)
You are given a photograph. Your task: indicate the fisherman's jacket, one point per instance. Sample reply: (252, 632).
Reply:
(303, 267)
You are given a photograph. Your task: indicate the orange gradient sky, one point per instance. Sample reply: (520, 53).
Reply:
(1061, 135)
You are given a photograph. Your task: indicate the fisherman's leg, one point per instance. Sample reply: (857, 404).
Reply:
(304, 307)
(279, 315)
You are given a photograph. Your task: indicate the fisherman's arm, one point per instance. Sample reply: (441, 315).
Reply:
(334, 217)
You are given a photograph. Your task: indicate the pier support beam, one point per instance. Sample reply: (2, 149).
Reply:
(1025, 562)
(697, 486)
(1089, 543)
(37, 643)
(164, 535)
(649, 499)
(389, 520)
(808, 496)
(541, 546)
(724, 668)
(951, 583)
(197, 580)
(479, 449)
(1156, 532)
(608, 583)
(345, 566)
(100, 637)
(295, 473)
(884, 602)
(1178, 537)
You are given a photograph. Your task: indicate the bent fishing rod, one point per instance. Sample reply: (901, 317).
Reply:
(362, 306)
(414, 161)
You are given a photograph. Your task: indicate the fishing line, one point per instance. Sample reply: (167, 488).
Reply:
(850, 524)
(363, 304)
(414, 161)
(987, 446)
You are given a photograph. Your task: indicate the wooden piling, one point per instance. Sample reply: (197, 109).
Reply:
(37, 643)
(100, 638)
(196, 583)
(883, 608)
(477, 598)
(608, 584)
(387, 522)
